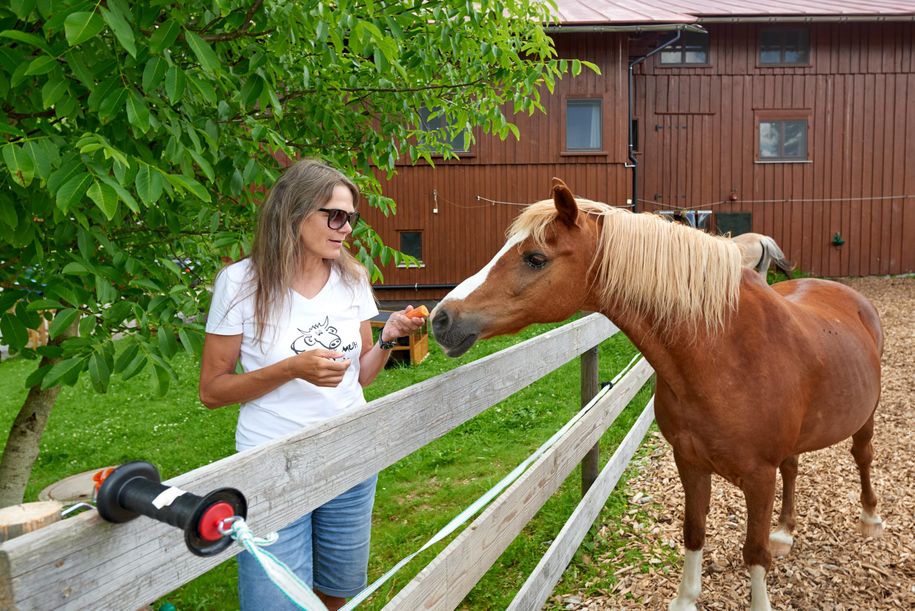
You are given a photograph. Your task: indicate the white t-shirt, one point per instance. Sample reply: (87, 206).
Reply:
(331, 319)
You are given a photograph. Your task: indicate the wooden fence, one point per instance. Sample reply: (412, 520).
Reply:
(84, 562)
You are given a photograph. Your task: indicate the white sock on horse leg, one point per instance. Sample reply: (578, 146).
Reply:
(759, 596)
(691, 584)
(780, 542)
(871, 525)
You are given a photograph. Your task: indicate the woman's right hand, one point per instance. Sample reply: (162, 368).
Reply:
(220, 384)
(318, 367)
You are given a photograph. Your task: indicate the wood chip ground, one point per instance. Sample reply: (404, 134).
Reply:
(831, 566)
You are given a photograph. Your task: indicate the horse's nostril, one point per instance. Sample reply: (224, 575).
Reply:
(440, 322)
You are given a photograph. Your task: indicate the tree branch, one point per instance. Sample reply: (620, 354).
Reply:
(34, 115)
(240, 33)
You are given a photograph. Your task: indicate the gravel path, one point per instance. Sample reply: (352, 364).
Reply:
(831, 566)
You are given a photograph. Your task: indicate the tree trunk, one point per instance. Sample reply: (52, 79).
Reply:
(22, 446)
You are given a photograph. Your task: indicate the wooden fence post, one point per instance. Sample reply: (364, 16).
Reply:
(589, 387)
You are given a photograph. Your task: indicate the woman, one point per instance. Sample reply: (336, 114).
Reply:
(296, 315)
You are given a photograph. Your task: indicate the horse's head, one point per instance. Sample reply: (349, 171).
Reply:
(542, 274)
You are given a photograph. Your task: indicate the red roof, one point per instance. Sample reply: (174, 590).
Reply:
(581, 12)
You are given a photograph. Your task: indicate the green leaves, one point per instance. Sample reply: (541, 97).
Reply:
(190, 185)
(27, 38)
(208, 59)
(153, 73)
(137, 112)
(149, 184)
(164, 36)
(105, 197)
(72, 191)
(81, 26)
(41, 65)
(175, 83)
(141, 136)
(15, 333)
(62, 321)
(53, 90)
(122, 30)
(64, 372)
(99, 371)
(20, 164)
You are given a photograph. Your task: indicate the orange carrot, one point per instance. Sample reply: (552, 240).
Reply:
(417, 312)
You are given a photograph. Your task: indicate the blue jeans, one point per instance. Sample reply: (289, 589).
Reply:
(328, 549)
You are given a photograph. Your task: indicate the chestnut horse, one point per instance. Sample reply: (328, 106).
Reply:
(703, 322)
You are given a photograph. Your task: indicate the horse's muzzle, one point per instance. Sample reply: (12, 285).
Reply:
(454, 333)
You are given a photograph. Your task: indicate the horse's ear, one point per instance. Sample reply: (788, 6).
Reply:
(565, 203)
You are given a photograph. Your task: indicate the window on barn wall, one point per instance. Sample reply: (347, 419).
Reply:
(690, 48)
(784, 47)
(783, 140)
(583, 125)
(411, 243)
(432, 121)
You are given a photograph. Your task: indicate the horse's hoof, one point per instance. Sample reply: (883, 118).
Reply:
(681, 605)
(780, 543)
(870, 526)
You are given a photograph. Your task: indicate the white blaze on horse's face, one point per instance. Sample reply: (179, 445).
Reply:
(468, 286)
(456, 333)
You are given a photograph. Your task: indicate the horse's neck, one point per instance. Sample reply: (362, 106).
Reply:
(671, 355)
(677, 356)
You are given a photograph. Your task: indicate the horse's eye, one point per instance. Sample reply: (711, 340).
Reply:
(535, 260)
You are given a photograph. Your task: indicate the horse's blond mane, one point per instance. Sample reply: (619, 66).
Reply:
(674, 274)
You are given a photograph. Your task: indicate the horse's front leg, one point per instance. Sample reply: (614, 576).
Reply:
(697, 485)
(759, 492)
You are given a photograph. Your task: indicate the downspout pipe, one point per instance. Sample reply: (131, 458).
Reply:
(633, 162)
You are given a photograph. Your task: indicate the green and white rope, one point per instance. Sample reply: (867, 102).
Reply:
(289, 584)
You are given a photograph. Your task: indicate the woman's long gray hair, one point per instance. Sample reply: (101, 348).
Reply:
(277, 251)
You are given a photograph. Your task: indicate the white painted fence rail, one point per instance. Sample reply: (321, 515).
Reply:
(84, 562)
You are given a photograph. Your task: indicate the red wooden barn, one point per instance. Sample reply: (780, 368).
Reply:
(791, 118)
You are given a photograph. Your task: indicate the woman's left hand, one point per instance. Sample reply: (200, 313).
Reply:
(399, 324)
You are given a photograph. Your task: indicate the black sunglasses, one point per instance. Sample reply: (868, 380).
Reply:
(337, 218)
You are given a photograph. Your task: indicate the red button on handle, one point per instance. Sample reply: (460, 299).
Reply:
(212, 518)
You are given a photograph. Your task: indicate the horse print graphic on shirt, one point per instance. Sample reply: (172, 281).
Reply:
(321, 334)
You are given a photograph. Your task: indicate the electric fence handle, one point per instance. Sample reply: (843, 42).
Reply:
(134, 489)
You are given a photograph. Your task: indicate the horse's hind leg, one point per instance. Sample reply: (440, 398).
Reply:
(863, 450)
(697, 486)
(781, 540)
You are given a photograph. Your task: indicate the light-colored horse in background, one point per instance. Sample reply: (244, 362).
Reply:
(758, 252)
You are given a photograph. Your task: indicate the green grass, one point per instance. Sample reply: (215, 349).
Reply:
(416, 496)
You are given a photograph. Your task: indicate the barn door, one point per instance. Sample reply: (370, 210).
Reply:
(673, 162)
